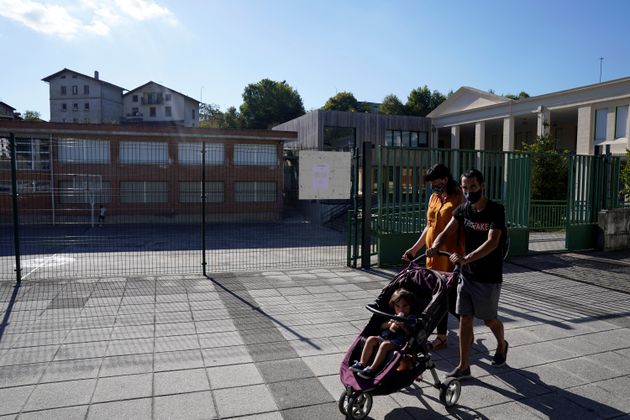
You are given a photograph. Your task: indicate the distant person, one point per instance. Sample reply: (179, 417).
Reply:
(393, 337)
(481, 275)
(101, 215)
(447, 195)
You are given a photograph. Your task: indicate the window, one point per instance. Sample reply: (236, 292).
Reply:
(25, 186)
(167, 111)
(255, 154)
(86, 106)
(190, 192)
(64, 90)
(75, 90)
(86, 89)
(339, 138)
(254, 192)
(79, 150)
(152, 111)
(167, 96)
(75, 107)
(399, 138)
(193, 114)
(144, 152)
(190, 153)
(621, 122)
(601, 117)
(81, 191)
(30, 153)
(63, 76)
(143, 192)
(135, 111)
(64, 107)
(134, 98)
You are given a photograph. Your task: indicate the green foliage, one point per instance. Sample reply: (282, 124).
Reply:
(343, 101)
(268, 103)
(550, 169)
(32, 116)
(522, 94)
(391, 105)
(210, 116)
(421, 101)
(625, 174)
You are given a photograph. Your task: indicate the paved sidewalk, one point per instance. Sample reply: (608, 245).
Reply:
(267, 345)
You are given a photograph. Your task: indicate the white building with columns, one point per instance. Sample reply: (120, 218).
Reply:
(582, 119)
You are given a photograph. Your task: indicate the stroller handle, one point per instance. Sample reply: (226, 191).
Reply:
(423, 255)
(373, 309)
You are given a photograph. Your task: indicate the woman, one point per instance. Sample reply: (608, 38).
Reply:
(446, 196)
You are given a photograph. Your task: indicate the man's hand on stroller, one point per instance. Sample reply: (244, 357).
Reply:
(458, 259)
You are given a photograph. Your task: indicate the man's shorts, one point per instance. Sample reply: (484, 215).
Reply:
(478, 299)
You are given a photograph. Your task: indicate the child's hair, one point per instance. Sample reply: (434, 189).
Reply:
(401, 294)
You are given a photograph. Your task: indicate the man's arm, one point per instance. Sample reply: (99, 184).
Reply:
(451, 227)
(494, 237)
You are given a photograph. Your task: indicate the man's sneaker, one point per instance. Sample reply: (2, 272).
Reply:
(458, 373)
(366, 373)
(357, 367)
(500, 358)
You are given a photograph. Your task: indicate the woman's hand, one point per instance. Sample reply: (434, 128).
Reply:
(409, 255)
(458, 259)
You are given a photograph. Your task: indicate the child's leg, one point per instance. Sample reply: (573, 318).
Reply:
(382, 353)
(368, 349)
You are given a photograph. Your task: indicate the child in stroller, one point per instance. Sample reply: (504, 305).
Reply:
(403, 365)
(394, 335)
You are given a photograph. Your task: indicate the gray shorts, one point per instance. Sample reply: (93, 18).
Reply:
(478, 299)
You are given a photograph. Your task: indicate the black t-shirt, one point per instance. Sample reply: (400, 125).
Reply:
(488, 269)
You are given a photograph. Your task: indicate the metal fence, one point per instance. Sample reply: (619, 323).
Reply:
(86, 207)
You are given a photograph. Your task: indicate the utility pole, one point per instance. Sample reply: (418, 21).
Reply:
(601, 60)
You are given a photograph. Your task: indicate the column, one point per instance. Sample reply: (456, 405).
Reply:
(508, 134)
(585, 134)
(455, 130)
(480, 135)
(543, 121)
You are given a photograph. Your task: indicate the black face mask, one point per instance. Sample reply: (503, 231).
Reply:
(473, 197)
(439, 188)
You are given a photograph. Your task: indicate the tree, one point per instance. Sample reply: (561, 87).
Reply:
(550, 169)
(268, 103)
(232, 118)
(522, 94)
(625, 175)
(32, 116)
(421, 101)
(343, 101)
(210, 115)
(391, 105)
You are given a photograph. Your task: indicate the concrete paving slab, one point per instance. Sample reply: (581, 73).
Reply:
(126, 365)
(194, 405)
(180, 381)
(71, 370)
(16, 375)
(283, 370)
(13, 399)
(67, 413)
(234, 376)
(60, 394)
(299, 393)
(244, 401)
(129, 409)
(123, 387)
(226, 356)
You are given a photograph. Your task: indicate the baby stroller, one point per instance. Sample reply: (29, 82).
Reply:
(403, 366)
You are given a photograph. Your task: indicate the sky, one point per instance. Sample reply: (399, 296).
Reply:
(211, 50)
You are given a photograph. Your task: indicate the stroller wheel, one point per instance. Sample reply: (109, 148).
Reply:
(355, 407)
(450, 390)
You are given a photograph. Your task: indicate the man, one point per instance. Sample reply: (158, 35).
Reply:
(479, 286)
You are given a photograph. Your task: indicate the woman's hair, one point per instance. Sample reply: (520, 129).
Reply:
(402, 294)
(439, 171)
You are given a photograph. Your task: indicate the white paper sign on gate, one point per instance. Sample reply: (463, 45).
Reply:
(324, 175)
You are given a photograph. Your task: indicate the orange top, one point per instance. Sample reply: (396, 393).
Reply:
(439, 214)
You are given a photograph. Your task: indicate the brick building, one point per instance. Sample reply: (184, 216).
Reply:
(142, 173)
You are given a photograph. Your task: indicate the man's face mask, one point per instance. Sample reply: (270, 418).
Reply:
(439, 188)
(473, 197)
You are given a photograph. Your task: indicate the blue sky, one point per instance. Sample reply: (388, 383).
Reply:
(211, 50)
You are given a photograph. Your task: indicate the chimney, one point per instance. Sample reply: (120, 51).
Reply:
(96, 74)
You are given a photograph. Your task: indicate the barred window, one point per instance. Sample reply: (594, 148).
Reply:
(144, 152)
(32, 154)
(190, 153)
(25, 186)
(84, 151)
(190, 192)
(254, 192)
(81, 191)
(143, 192)
(255, 154)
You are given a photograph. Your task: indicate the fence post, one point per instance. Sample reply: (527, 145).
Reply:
(203, 207)
(16, 219)
(366, 232)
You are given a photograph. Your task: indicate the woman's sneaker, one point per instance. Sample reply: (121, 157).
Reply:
(357, 367)
(366, 373)
(458, 373)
